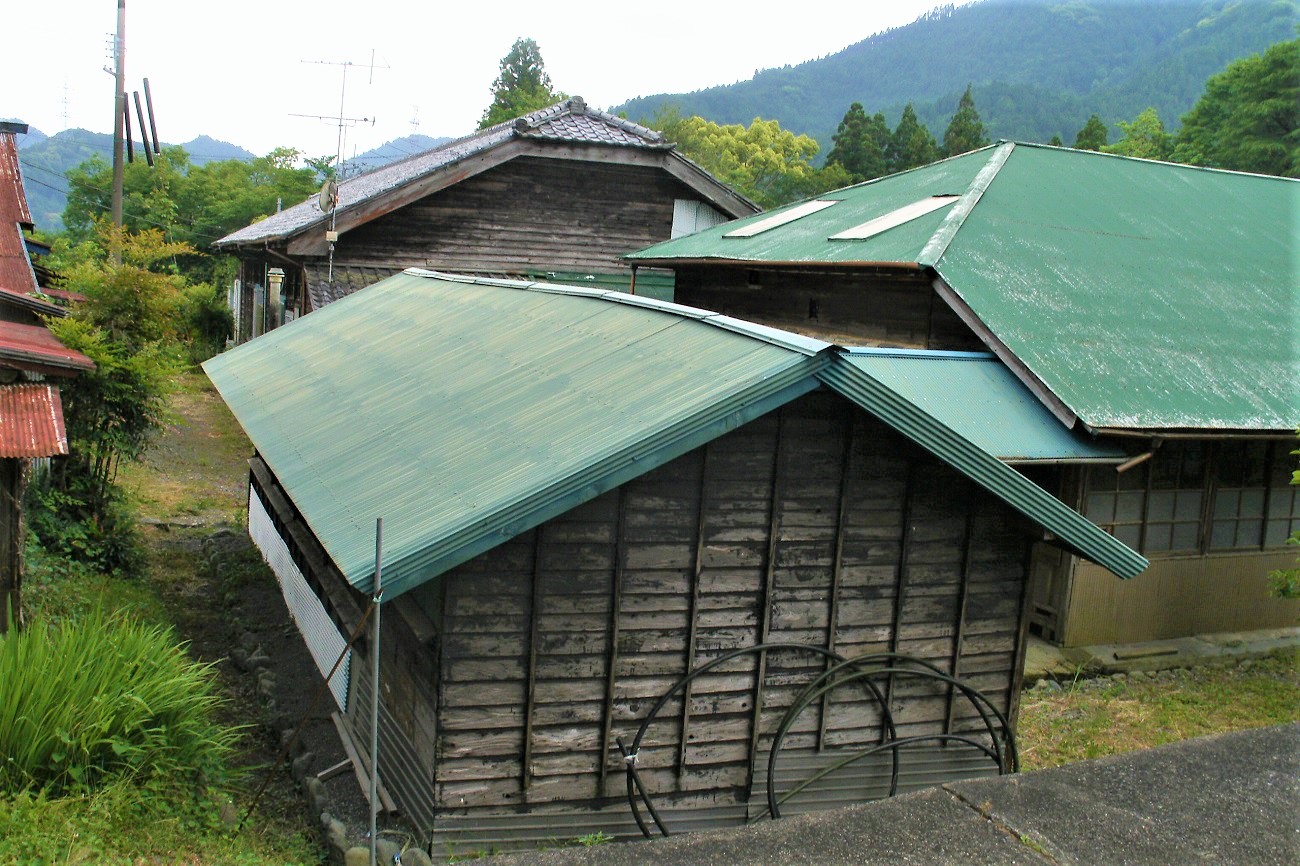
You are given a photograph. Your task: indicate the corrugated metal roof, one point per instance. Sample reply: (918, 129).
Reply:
(326, 287)
(465, 412)
(31, 422)
(975, 393)
(1142, 294)
(34, 345)
(17, 278)
(954, 448)
(807, 239)
(569, 121)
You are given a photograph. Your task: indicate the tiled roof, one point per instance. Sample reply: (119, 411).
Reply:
(325, 287)
(31, 422)
(571, 121)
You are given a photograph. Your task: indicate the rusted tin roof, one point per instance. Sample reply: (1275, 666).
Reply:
(17, 277)
(571, 122)
(31, 421)
(34, 347)
(1141, 295)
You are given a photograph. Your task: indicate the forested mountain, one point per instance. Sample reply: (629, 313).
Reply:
(1038, 67)
(46, 160)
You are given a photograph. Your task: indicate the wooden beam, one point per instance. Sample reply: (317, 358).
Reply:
(615, 609)
(1022, 641)
(765, 610)
(693, 630)
(901, 573)
(1054, 404)
(959, 623)
(837, 563)
(534, 637)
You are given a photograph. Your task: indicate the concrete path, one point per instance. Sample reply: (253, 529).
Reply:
(1227, 799)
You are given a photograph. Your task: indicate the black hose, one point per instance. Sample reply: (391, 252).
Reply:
(1001, 748)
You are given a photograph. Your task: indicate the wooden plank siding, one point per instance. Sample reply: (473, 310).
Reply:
(562, 639)
(896, 308)
(530, 213)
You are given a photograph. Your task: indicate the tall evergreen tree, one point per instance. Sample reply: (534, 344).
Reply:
(1144, 137)
(965, 131)
(1093, 135)
(1249, 116)
(860, 144)
(1056, 141)
(522, 85)
(911, 144)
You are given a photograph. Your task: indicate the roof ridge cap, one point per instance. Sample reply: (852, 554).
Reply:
(952, 223)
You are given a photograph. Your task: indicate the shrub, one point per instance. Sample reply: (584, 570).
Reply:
(99, 698)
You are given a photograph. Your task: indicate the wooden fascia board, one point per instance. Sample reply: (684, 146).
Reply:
(1004, 354)
(713, 190)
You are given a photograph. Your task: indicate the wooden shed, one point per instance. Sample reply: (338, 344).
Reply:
(1149, 307)
(557, 195)
(588, 496)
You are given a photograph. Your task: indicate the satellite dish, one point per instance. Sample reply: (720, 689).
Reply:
(329, 196)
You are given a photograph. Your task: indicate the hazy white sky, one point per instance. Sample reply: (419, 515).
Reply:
(239, 70)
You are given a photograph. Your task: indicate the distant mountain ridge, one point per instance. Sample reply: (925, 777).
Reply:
(1038, 67)
(46, 160)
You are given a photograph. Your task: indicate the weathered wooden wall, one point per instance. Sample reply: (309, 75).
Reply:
(853, 307)
(815, 525)
(528, 213)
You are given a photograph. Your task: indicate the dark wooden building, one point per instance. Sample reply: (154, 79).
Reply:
(1149, 307)
(557, 195)
(31, 360)
(587, 496)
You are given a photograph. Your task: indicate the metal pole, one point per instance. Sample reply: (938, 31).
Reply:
(374, 696)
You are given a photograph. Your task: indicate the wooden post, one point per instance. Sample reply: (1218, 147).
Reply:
(837, 563)
(692, 635)
(900, 581)
(534, 637)
(959, 624)
(615, 609)
(765, 610)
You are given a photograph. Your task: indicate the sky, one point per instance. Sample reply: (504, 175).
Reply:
(242, 71)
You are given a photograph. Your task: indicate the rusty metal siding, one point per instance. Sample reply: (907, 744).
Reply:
(31, 422)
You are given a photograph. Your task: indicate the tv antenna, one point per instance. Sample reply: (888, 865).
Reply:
(341, 120)
(415, 119)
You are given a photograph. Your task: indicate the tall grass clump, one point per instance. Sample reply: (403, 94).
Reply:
(97, 698)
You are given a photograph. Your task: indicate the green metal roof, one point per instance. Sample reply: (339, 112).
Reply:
(807, 239)
(1142, 295)
(983, 468)
(975, 393)
(465, 412)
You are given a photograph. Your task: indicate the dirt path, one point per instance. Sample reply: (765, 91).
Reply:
(192, 487)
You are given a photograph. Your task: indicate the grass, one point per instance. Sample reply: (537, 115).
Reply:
(1099, 717)
(198, 469)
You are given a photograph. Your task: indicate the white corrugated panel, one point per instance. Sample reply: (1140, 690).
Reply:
(690, 216)
(322, 636)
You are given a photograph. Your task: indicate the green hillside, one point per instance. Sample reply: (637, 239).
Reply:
(1039, 67)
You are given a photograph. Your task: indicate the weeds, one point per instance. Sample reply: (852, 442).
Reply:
(100, 697)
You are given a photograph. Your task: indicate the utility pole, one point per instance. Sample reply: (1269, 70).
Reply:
(119, 106)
